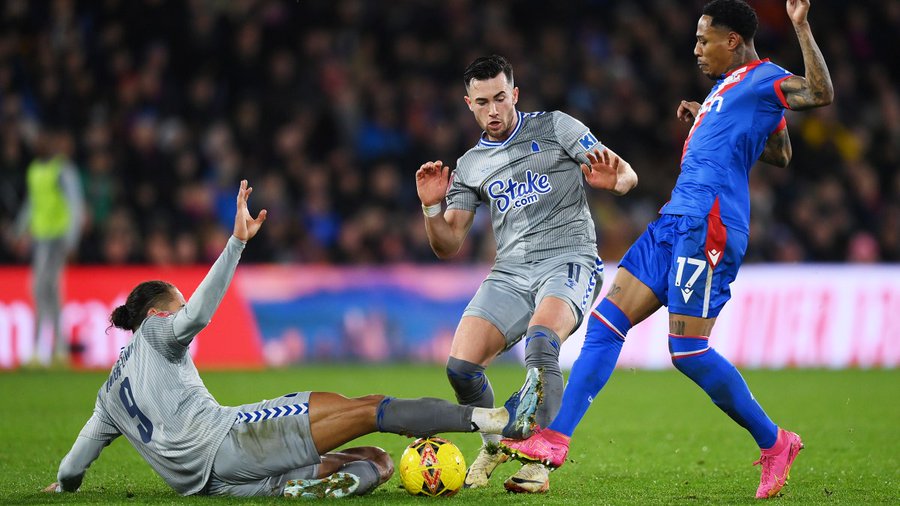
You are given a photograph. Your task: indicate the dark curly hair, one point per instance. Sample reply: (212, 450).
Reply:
(487, 67)
(146, 295)
(734, 15)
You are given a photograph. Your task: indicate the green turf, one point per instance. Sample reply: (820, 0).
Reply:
(651, 438)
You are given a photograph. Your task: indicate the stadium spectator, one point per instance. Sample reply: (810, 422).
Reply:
(191, 93)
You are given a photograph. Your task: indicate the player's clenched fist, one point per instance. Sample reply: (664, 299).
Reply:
(432, 180)
(797, 10)
(688, 111)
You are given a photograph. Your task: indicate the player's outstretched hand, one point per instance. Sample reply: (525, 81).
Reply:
(245, 225)
(603, 173)
(797, 11)
(688, 111)
(432, 180)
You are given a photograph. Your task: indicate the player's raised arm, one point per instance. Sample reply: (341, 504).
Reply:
(446, 230)
(609, 171)
(199, 310)
(815, 90)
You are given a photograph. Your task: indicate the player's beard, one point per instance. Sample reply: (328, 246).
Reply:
(504, 130)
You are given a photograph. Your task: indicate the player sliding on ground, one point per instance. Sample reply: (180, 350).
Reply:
(156, 399)
(688, 257)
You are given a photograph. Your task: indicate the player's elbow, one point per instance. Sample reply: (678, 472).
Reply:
(825, 96)
(828, 95)
(444, 253)
(785, 159)
(446, 246)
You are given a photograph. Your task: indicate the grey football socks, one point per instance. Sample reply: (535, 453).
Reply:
(542, 351)
(367, 473)
(423, 417)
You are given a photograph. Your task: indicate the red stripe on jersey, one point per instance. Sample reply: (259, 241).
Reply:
(781, 126)
(747, 68)
(716, 235)
(780, 93)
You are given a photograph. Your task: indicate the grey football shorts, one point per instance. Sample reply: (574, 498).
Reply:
(509, 295)
(269, 444)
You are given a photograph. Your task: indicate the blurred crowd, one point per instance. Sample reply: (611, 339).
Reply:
(328, 107)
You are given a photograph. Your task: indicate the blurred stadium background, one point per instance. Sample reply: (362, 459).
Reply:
(329, 107)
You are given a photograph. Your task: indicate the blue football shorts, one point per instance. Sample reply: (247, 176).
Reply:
(689, 262)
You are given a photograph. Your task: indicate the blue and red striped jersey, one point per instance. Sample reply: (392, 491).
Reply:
(729, 134)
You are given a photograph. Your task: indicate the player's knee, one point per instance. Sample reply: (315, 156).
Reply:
(684, 351)
(465, 375)
(369, 400)
(383, 463)
(378, 458)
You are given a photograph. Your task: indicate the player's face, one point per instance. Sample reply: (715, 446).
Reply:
(172, 305)
(493, 101)
(712, 49)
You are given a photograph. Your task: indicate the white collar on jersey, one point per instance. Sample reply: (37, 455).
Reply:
(482, 141)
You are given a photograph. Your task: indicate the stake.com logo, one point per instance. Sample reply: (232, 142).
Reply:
(514, 194)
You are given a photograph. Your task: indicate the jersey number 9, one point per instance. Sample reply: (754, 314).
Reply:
(145, 426)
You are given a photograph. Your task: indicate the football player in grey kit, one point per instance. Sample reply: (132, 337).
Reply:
(527, 169)
(156, 399)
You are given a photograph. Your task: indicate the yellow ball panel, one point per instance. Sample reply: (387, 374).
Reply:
(432, 467)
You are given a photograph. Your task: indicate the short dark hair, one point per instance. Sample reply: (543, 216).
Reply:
(487, 67)
(146, 295)
(735, 15)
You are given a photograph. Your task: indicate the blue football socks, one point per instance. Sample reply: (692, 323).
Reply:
(724, 384)
(606, 332)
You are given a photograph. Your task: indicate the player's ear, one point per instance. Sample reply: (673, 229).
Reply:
(515, 96)
(734, 40)
(468, 102)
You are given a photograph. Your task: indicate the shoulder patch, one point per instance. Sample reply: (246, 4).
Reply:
(587, 140)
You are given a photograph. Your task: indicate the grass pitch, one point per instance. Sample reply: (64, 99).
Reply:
(650, 438)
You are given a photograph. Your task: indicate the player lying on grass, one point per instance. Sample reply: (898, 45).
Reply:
(156, 399)
(688, 257)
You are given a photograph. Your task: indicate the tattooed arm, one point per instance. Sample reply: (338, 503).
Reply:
(778, 149)
(815, 90)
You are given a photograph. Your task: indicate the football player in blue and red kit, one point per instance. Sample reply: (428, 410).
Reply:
(687, 258)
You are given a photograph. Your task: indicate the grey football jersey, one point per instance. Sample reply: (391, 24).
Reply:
(532, 183)
(155, 397)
